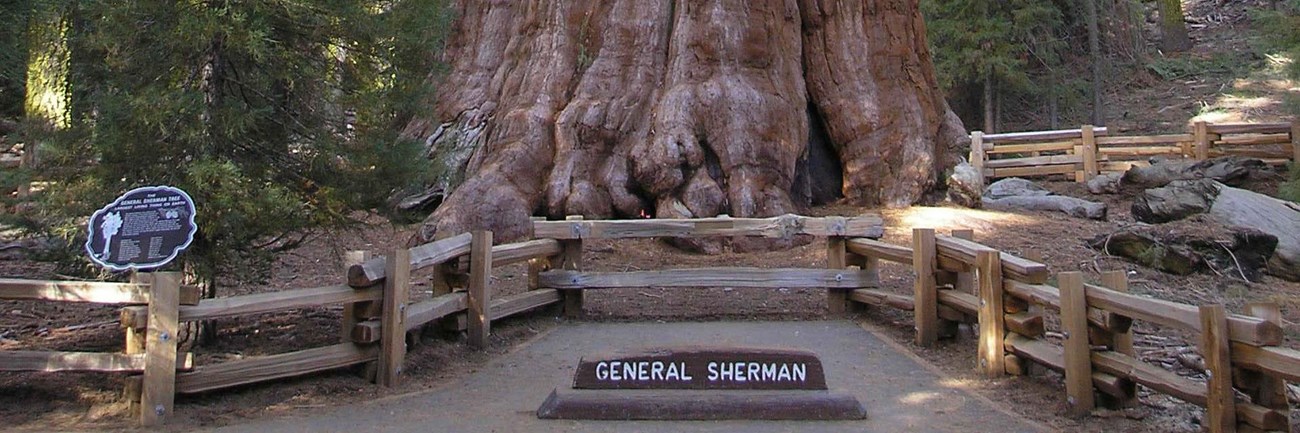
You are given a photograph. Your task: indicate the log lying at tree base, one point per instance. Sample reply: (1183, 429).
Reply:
(1234, 207)
(1017, 194)
(1229, 169)
(1245, 256)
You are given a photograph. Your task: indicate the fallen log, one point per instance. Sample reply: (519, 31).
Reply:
(1071, 206)
(1229, 170)
(1019, 194)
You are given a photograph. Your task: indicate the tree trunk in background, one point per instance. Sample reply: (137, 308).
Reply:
(1094, 50)
(1173, 32)
(679, 108)
(989, 123)
(47, 101)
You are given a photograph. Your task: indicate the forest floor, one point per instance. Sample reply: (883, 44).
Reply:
(1222, 79)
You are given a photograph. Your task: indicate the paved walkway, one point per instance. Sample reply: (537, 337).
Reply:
(898, 393)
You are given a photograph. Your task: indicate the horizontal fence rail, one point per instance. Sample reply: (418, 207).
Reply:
(784, 226)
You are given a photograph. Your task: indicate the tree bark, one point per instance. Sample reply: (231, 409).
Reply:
(1094, 51)
(678, 108)
(47, 102)
(1173, 32)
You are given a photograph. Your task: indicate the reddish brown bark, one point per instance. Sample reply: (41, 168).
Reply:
(679, 108)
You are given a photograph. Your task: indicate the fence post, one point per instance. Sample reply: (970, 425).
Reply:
(1265, 390)
(571, 260)
(836, 258)
(159, 389)
(1201, 133)
(1089, 153)
(536, 265)
(924, 292)
(977, 155)
(351, 311)
(392, 328)
(1220, 408)
(134, 346)
(1121, 342)
(992, 355)
(480, 291)
(1078, 353)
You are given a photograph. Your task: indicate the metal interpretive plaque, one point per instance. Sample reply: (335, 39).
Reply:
(143, 229)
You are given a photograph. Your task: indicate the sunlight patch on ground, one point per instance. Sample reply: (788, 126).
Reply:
(956, 383)
(1258, 97)
(920, 397)
(948, 218)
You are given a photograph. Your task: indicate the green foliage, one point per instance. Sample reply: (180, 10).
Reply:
(974, 38)
(13, 56)
(1290, 190)
(1190, 66)
(1278, 33)
(1028, 50)
(277, 116)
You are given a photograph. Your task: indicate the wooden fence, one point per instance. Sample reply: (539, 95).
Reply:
(958, 280)
(378, 311)
(149, 351)
(1088, 151)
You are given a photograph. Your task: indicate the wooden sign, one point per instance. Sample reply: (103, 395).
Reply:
(730, 368)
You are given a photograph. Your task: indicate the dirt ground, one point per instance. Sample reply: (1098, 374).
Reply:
(92, 401)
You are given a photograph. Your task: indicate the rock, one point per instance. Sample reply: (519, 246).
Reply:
(1074, 207)
(1176, 201)
(1014, 187)
(1106, 183)
(965, 186)
(1229, 170)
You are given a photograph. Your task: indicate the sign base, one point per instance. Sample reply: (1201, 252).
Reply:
(709, 405)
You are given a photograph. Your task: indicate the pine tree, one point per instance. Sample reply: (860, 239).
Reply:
(277, 116)
(1000, 46)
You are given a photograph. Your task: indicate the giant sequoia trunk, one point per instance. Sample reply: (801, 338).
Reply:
(680, 109)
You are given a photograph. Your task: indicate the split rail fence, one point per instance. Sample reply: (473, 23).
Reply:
(1006, 297)
(1088, 151)
(378, 311)
(957, 280)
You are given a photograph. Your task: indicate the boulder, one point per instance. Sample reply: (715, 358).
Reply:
(965, 186)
